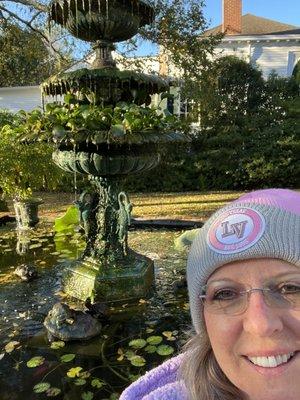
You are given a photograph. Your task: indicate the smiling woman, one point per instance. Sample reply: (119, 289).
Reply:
(244, 287)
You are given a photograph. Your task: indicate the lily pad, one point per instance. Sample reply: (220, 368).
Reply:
(74, 372)
(150, 349)
(154, 340)
(80, 382)
(9, 347)
(57, 345)
(138, 343)
(97, 383)
(41, 387)
(137, 361)
(87, 396)
(164, 350)
(35, 361)
(67, 358)
(53, 391)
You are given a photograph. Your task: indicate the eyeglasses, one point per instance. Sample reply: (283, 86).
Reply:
(232, 298)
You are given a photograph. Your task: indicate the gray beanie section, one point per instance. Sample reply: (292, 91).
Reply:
(273, 233)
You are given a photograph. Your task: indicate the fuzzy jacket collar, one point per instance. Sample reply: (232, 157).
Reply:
(160, 383)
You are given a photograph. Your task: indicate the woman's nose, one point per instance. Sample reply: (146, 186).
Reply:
(261, 319)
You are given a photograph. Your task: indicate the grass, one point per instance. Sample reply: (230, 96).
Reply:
(191, 205)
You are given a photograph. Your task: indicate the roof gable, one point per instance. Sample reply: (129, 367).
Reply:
(253, 25)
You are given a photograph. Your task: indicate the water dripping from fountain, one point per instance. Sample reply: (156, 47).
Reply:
(90, 16)
(107, 9)
(64, 22)
(76, 17)
(91, 83)
(43, 101)
(99, 7)
(75, 175)
(109, 88)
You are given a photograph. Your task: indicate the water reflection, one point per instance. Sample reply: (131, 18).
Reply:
(24, 305)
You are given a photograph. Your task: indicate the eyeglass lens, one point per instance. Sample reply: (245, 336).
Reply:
(233, 298)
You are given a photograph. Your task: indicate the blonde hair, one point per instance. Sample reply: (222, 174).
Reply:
(202, 375)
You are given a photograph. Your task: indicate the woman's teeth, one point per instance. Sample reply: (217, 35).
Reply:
(272, 361)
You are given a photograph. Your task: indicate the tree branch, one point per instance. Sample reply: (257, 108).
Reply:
(49, 43)
(31, 3)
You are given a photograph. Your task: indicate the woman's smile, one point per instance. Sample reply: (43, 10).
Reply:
(262, 343)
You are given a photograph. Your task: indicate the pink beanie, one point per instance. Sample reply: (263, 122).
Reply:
(260, 224)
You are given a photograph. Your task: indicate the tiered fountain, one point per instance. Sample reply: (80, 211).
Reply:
(108, 269)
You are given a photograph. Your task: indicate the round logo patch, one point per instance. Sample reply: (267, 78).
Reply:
(236, 230)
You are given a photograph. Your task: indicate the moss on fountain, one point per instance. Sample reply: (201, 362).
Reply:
(104, 83)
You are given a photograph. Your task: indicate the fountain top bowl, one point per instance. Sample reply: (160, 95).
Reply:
(104, 20)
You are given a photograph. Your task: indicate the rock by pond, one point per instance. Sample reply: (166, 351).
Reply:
(27, 272)
(67, 324)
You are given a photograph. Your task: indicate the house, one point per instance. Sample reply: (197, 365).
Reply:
(20, 98)
(271, 46)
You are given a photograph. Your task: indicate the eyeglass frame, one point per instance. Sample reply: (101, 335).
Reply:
(246, 294)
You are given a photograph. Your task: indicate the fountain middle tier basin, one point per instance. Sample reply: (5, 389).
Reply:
(105, 85)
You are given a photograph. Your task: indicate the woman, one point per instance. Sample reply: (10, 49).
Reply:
(244, 287)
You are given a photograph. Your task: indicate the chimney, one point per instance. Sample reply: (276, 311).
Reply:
(232, 17)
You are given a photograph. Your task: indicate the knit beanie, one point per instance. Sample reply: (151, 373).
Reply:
(261, 224)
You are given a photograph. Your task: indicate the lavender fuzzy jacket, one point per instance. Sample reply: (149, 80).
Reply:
(160, 383)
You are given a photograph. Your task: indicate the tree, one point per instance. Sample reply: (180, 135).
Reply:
(179, 30)
(249, 134)
(24, 58)
(296, 72)
(31, 15)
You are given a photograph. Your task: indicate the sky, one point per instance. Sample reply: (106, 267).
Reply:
(286, 11)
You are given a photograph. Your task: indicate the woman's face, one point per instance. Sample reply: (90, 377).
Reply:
(253, 347)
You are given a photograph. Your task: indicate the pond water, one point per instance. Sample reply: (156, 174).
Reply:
(133, 339)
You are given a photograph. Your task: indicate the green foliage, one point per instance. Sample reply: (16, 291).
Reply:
(24, 167)
(8, 118)
(74, 122)
(178, 26)
(24, 58)
(67, 222)
(249, 136)
(296, 73)
(233, 90)
(253, 142)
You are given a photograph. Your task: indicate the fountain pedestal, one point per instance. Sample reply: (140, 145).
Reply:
(108, 269)
(89, 278)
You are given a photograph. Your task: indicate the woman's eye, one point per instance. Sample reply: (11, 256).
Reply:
(225, 294)
(289, 288)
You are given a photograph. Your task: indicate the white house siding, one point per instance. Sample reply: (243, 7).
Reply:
(268, 54)
(20, 98)
(270, 57)
(240, 50)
